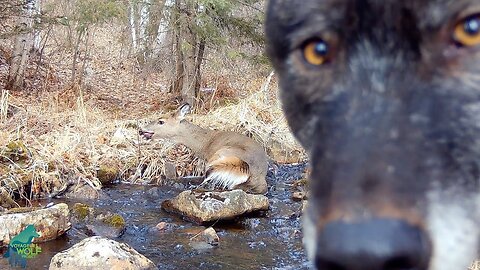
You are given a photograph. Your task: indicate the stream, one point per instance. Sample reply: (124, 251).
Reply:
(272, 240)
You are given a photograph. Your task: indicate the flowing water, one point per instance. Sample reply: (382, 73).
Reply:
(268, 241)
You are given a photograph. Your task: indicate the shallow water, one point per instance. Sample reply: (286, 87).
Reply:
(268, 241)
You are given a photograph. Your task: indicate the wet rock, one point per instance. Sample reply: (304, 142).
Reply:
(170, 170)
(299, 196)
(82, 192)
(103, 224)
(49, 222)
(107, 225)
(206, 207)
(100, 253)
(210, 236)
(154, 192)
(107, 173)
(164, 226)
(82, 211)
(179, 186)
(206, 239)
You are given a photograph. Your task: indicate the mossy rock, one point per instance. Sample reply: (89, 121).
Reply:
(15, 151)
(107, 174)
(115, 220)
(82, 211)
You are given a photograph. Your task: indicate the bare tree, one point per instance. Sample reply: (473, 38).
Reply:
(22, 47)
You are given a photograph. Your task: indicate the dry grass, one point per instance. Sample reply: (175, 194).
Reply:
(259, 116)
(53, 134)
(63, 140)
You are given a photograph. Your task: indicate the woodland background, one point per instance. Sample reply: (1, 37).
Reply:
(79, 77)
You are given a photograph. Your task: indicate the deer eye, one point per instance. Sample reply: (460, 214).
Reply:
(161, 122)
(467, 31)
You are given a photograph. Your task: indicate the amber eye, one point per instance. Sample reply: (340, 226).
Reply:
(467, 31)
(316, 52)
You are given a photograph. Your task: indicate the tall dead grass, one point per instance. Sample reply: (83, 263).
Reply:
(48, 145)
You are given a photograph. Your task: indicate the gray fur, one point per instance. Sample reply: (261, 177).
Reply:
(394, 114)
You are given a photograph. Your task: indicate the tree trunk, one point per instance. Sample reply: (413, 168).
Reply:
(36, 33)
(76, 52)
(86, 56)
(189, 70)
(177, 84)
(144, 18)
(189, 54)
(198, 67)
(21, 51)
(163, 25)
(133, 29)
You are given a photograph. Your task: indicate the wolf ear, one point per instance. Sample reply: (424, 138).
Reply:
(183, 111)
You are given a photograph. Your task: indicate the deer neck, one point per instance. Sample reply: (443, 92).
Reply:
(194, 137)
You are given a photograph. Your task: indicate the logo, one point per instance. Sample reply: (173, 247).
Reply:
(21, 248)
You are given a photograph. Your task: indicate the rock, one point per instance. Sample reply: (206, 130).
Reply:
(49, 222)
(100, 253)
(205, 207)
(105, 224)
(82, 211)
(108, 225)
(178, 186)
(170, 170)
(15, 151)
(210, 236)
(205, 239)
(82, 192)
(153, 193)
(107, 173)
(299, 196)
(163, 226)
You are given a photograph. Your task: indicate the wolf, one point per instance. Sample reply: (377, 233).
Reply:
(384, 95)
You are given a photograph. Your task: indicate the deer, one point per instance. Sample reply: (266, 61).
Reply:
(233, 160)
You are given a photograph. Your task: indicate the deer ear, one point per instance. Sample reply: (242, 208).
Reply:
(183, 111)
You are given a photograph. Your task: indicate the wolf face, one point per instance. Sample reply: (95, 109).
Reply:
(384, 95)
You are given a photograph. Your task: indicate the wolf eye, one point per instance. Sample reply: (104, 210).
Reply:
(316, 52)
(161, 122)
(467, 31)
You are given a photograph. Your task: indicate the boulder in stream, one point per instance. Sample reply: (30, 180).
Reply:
(209, 206)
(49, 222)
(107, 224)
(100, 253)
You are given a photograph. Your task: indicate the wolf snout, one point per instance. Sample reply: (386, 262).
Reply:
(146, 134)
(378, 244)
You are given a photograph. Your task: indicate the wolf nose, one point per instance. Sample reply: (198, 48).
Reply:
(377, 244)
